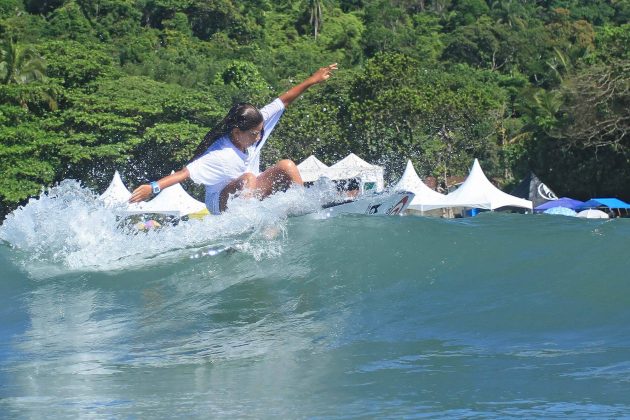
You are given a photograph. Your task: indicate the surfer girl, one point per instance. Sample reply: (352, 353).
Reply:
(227, 161)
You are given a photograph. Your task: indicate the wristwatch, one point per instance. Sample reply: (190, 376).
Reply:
(155, 188)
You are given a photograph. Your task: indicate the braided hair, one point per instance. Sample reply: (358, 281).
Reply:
(243, 116)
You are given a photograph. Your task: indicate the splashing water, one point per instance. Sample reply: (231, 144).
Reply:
(69, 228)
(494, 316)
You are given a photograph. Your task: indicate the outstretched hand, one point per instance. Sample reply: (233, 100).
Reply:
(319, 76)
(323, 73)
(142, 193)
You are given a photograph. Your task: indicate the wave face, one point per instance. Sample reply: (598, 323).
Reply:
(258, 314)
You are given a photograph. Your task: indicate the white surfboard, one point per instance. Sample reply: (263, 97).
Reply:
(383, 204)
(379, 204)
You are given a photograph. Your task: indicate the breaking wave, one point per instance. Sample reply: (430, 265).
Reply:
(257, 313)
(69, 228)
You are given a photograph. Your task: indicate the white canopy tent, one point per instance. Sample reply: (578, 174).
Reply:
(311, 169)
(478, 192)
(173, 201)
(425, 198)
(353, 166)
(116, 193)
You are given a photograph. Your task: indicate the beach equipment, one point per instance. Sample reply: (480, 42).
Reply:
(311, 169)
(370, 176)
(478, 192)
(592, 214)
(533, 189)
(612, 206)
(172, 201)
(425, 198)
(382, 204)
(562, 211)
(566, 202)
(611, 203)
(352, 166)
(116, 193)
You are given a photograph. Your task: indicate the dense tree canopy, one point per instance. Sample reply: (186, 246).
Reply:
(87, 87)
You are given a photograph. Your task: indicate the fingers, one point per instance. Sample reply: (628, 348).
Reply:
(139, 194)
(326, 72)
(329, 68)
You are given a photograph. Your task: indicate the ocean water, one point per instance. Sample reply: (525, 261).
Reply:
(255, 314)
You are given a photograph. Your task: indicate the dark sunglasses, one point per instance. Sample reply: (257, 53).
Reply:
(256, 133)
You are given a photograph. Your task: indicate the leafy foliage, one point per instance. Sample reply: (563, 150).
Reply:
(90, 86)
(20, 63)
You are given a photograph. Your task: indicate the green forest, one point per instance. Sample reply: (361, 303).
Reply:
(90, 86)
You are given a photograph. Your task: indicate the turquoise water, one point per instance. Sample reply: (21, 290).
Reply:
(256, 314)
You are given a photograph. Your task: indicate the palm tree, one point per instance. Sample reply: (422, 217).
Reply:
(510, 13)
(20, 64)
(317, 16)
(549, 102)
(560, 63)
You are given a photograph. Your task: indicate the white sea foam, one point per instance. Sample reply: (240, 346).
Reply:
(68, 228)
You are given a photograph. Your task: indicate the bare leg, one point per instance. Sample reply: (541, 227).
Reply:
(277, 178)
(246, 182)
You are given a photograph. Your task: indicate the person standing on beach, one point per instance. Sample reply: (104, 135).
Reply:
(227, 161)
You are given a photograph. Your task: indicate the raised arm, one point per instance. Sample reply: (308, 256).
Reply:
(145, 191)
(319, 76)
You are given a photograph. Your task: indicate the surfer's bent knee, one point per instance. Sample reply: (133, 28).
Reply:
(286, 165)
(247, 181)
(290, 170)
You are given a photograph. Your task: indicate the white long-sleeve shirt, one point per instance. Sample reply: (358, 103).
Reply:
(224, 162)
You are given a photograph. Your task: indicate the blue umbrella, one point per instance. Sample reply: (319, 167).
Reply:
(611, 203)
(564, 211)
(561, 202)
